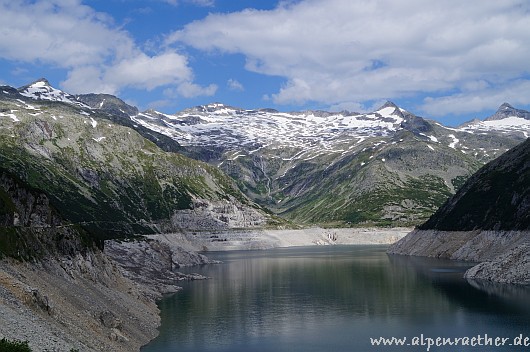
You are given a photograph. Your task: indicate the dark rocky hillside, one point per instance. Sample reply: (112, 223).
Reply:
(497, 197)
(487, 221)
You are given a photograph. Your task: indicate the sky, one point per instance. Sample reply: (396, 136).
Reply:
(448, 60)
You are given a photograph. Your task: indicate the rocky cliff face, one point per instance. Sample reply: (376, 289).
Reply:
(487, 220)
(59, 291)
(31, 228)
(80, 302)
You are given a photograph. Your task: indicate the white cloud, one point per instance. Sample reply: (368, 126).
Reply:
(356, 107)
(190, 90)
(235, 85)
(515, 93)
(203, 3)
(19, 71)
(334, 51)
(149, 72)
(98, 56)
(88, 79)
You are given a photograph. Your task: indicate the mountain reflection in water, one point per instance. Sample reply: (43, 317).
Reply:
(332, 299)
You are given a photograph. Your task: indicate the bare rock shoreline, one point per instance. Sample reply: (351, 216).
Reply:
(82, 303)
(226, 240)
(504, 256)
(106, 301)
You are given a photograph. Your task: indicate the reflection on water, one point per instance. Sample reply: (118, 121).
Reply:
(332, 299)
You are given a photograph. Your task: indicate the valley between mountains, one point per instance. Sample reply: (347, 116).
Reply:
(107, 202)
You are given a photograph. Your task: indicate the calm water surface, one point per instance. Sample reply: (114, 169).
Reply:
(335, 298)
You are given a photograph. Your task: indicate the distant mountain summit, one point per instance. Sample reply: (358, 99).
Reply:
(42, 90)
(507, 111)
(335, 167)
(507, 119)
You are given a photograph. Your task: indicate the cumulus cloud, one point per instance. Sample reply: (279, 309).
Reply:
(516, 92)
(235, 85)
(98, 55)
(190, 90)
(149, 72)
(340, 51)
(356, 107)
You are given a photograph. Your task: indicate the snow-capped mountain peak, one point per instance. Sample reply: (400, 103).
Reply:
(506, 119)
(389, 110)
(225, 126)
(507, 111)
(42, 90)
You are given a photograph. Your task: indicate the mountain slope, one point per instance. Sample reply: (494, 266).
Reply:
(497, 197)
(107, 178)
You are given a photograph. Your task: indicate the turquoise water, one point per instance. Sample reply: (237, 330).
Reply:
(335, 298)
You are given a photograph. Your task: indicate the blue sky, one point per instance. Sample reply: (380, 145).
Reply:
(449, 60)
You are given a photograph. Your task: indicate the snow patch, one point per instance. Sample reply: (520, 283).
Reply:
(507, 124)
(454, 142)
(11, 116)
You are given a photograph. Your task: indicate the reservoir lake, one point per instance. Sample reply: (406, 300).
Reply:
(338, 298)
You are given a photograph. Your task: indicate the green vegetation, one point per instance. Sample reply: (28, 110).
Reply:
(14, 346)
(19, 346)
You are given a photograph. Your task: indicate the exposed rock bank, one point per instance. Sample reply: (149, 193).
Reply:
(82, 303)
(265, 239)
(505, 255)
(153, 263)
(98, 301)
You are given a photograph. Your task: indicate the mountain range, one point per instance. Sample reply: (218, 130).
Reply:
(389, 167)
